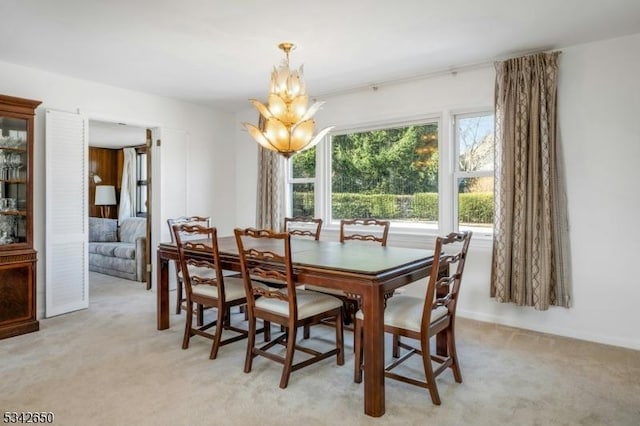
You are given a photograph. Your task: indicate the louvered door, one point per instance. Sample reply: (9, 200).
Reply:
(67, 270)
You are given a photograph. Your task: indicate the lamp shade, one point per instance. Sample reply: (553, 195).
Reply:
(105, 195)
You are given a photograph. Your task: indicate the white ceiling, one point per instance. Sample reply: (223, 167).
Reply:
(220, 52)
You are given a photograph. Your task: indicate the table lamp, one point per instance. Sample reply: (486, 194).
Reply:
(105, 198)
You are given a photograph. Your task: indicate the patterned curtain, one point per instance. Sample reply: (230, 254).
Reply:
(530, 252)
(271, 187)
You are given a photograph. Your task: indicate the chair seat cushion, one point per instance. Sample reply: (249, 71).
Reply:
(233, 289)
(406, 312)
(309, 304)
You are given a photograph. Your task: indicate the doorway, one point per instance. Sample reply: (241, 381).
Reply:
(120, 167)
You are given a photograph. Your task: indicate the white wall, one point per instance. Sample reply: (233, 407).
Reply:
(599, 99)
(211, 160)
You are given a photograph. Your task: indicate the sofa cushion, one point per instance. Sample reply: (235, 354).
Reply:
(103, 230)
(132, 228)
(119, 250)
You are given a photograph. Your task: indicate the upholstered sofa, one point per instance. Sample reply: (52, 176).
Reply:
(118, 251)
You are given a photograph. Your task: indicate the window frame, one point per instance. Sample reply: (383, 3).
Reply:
(141, 184)
(459, 174)
(290, 181)
(325, 159)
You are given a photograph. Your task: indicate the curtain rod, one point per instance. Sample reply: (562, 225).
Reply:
(453, 70)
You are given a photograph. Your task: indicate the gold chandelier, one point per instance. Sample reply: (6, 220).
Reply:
(286, 124)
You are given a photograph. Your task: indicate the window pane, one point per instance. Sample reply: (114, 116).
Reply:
(142, 166)
(141, 200)
(303, 165)
(475, 203)
(141, 184)
(386, 174)
(302, 202)
(475, 143)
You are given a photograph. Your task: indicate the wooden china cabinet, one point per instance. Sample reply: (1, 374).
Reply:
(17, 256)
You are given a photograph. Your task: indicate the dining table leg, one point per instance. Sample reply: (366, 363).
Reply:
(162, 293)
(373, 309)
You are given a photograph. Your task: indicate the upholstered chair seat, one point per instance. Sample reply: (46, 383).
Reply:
(406, 312)
(234, 289)
(309, 304)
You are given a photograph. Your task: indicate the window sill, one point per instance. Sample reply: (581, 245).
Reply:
(413, 237)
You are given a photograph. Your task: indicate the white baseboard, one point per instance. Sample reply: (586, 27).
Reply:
(607, 340)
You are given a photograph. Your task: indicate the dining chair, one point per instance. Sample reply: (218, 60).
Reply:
(192, 220)
(303, 226)
(266, 254)
(364, 230)
(361, 230)
(206, 285)
(421, 319)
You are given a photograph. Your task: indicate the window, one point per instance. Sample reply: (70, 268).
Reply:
(141, 183)
(389, 173)
(473, 171)
(414, 174)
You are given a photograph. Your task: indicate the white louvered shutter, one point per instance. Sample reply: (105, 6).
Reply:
(67, 270)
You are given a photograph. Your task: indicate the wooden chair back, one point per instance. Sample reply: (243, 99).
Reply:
(190, 220)
(199, 257)
(185, 220)
(442, 290)
(206, 286)
(364, 230)
(303, 226)
(265, 256)
(438, 319)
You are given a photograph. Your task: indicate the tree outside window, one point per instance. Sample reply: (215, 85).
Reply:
(302, 184)
(387, 174)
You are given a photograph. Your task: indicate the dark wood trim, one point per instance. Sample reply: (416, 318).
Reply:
(148, 150)
(105, 163)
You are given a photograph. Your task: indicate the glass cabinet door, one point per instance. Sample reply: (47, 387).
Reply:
(13, 180)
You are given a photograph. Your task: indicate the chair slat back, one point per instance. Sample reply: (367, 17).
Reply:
(303, 226)
(188, 220)
(364, 230)
(199, 257)
(266, 255)
(443, 290)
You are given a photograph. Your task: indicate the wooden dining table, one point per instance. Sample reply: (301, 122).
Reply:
(367, 271)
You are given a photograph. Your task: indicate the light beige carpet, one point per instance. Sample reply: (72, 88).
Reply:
(108, 365)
